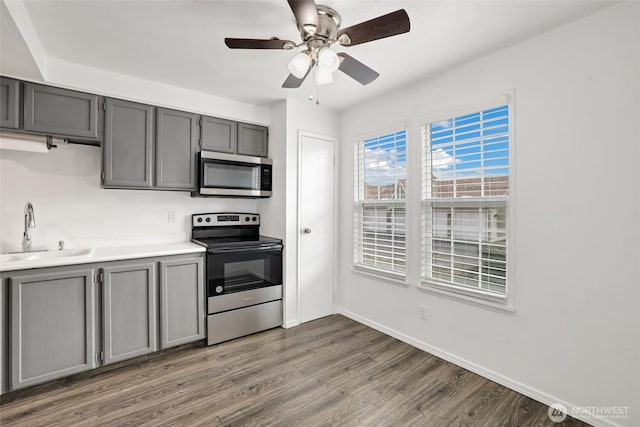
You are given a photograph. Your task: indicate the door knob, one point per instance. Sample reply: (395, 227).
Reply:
(306, 231)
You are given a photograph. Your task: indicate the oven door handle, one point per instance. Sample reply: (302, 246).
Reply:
(247, 249)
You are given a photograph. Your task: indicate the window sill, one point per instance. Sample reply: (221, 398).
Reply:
(475, 297)
(383, 276)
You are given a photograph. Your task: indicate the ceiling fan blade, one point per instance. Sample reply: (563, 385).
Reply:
(388, 25)
(293, 82)
(305, 12)
(356, 69)
(258, 43)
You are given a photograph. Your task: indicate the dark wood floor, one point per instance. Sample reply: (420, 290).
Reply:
(331, 371)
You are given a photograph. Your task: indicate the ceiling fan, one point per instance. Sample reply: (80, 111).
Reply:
(320, 29)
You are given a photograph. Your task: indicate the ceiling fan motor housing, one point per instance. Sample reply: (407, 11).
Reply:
(325, 33)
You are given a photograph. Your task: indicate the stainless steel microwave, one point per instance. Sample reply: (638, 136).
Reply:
(233, 175)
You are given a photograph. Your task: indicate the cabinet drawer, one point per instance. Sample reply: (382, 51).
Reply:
(244, 321)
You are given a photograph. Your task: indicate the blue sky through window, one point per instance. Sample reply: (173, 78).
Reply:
(385, 158)
(472, 145)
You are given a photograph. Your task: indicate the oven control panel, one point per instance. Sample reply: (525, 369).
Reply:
(225, 219)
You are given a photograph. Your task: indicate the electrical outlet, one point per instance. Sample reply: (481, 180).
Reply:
(171, 217)
(422, 312)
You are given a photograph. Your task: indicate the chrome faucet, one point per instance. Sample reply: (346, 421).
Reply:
(29, 222)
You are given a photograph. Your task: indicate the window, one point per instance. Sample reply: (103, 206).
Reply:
(465, 196)
(380, 166)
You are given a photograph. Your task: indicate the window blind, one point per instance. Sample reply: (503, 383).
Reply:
(380, 203)
(465, 188)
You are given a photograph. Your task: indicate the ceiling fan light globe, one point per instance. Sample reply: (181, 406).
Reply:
(328, 59)
(323, 76)
(299, 65)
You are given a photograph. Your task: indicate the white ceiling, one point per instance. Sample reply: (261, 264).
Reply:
(181, 42)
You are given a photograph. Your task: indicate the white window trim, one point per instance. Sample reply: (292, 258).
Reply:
(502, 302)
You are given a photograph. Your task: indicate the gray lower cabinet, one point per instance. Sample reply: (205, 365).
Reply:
(176, 147)
(129, 315)
(128, 145)
(4, 322)
(52, 325)
(56, 111)
(182, 315)
(9, 103)
(219, 135)
(253, 140)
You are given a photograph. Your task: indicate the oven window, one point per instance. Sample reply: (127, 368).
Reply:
(245, 274)
(242, 271)
(220, 175)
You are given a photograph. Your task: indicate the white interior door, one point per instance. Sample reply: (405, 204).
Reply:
(316, 212)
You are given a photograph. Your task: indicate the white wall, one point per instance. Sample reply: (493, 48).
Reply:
(77, 76)
(64, 187)
(574, 336)
(279, 213)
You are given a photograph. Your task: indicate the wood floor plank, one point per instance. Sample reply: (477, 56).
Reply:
(332, 371)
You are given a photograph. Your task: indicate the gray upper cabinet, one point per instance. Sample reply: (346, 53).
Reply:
(129, 311)
(182, 316)
(63, 112)
(128, 145)
(9, 103)
(52, 325)
(176, 147)
(253, 140)
(219, 135)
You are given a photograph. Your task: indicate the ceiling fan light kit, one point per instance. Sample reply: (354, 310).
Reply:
(300, 63)
(319, 28)
(328, 59)
(323, 76)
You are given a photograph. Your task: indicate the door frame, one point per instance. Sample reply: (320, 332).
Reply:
(333, 142)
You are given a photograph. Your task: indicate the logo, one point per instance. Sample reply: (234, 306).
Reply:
(557, 412)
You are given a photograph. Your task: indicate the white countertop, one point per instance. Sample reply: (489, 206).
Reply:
(103, 254)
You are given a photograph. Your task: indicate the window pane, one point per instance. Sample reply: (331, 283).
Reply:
(383, 237)
(385, 171)
(465, 153)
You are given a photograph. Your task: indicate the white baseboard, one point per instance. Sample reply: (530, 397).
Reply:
(291, 323)
(486, 373)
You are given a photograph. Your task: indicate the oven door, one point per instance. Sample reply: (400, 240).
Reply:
(224, 174)
(236, 269)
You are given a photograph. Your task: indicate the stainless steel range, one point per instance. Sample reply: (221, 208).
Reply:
(243, 275)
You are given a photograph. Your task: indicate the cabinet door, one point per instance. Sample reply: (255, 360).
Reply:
(128, 145)
(58, 111)
(182, 313)
(219, 135)
(3, 334)
(52, 326)
(176, 148)
(129, 311)
(9, 103)
(253, 140)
